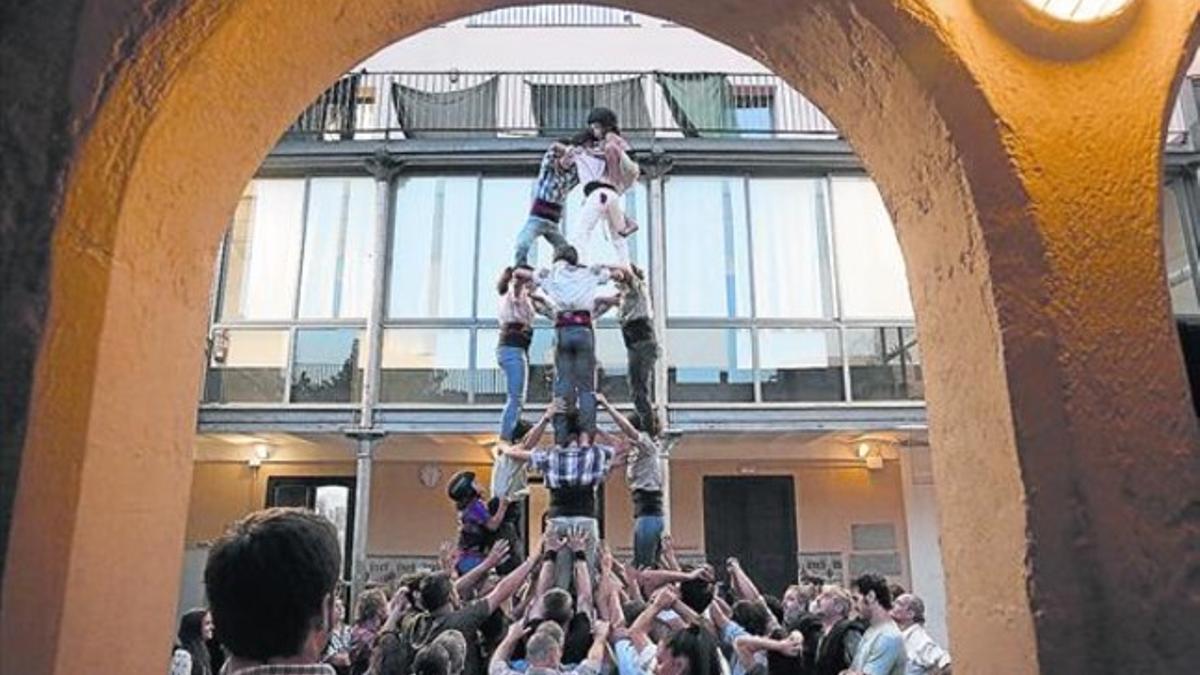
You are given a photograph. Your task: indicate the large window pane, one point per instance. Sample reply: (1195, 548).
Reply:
(425, 366)
(327, 366)
(247, 366)
(800, 365)
(263, 254)
(504, 207)
(336, 277)
(707, 260)
(489, 381)
(612, 365)
(433, 247)
(870, 266)
(1179, 265)
(600, 249)
(709, 365)
(885, 364)
(791, 253)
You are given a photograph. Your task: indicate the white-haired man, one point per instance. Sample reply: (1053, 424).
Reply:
(925, 656)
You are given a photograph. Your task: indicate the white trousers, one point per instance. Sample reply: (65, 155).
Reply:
(603, 205)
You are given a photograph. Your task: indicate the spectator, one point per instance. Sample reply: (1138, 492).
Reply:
(925, 657)
(191, 654)
(368, 620)
(544, 653)
(270, 582)
(432, 660)
(881, 650)
(688, 652)
(476, 523)
(839, 634)
(337, 654)
(456, 648)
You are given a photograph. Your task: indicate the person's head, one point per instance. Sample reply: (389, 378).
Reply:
(775, 606)
(647, 423)
(270, 582)
(557, 606)
(553, 630)
(506, 277)
(542, 650)
(601, 121)
(456, 648)
(872, 598)
(520, 429)
(431, 660)
(907, 610)
(896, 590)
(567, 254)
(751, 616)
(196, 625)
(631, 610)
(437, 591)
(833, 604)
(810, 587)
(688, 652)
(697, 594)
(463, 489)
(372, 606)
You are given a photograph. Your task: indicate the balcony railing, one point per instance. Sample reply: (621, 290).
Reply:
(443, 105)
(542, 16)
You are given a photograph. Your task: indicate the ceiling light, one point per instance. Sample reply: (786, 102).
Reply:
(1080, 11)
(864, 449)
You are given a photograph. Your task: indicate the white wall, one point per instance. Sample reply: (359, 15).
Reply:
(649, 44)
(924, 545)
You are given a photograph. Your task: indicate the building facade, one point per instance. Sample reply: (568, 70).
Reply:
(351, 361)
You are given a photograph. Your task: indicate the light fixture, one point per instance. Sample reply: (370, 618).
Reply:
(262, 452)
(1080, 11)
(864, 449)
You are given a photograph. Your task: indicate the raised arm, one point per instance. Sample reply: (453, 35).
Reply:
(621, 421)
(639, 632)
(545, 580)
(509, 585)
(654, 579)
(583, 578)
(524, 451)
(497, 519)
(499, 663)
(745, 587)
(467, 582)
(747, 646)
(600, 631)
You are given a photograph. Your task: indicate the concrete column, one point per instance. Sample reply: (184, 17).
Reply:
(656, 167)
(924, 548)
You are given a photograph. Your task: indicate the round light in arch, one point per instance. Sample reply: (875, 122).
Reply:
(1081, 11)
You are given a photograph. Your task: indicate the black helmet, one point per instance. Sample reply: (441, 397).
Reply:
(604, 117)
(462, 486)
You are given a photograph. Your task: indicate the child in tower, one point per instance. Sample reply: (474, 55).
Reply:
(601, 159)
(477, 525)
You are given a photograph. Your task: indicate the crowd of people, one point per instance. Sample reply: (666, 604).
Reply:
(568, 605)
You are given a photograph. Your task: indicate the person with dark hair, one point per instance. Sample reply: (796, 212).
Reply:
(881, 650)
(641, 347)
(337, 654)
(571, 289)
(644, 474)
(690, 651)
(270, 582)
(476, 523)
(432, 660)
(191, 654)
(601, 159)
(515, 313)
(925, 657)
(557, 176)
(369, 616)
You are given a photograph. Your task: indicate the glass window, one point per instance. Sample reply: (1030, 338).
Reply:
(709, 365)
(791, 252)
(433, 247)
(870, 266)
(421, 365)
(327, 366)
(599, 249)
(247, 366)
(800, 365)
(503, 210)
(336, 277)
(612, 365)
(707, 268)
(885, 364)
(263, 254)
(1180, 279)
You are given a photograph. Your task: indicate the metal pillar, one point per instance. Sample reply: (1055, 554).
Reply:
(384, 168)
(656, 168)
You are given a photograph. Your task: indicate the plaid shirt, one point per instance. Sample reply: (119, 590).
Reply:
(573, 466)
(554, 182)
(305, 669)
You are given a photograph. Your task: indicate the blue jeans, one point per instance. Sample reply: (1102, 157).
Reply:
(647, 540)
(575, 377)
(514, 361)
(537, 227)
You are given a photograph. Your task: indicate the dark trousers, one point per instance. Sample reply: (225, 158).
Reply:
(575, 377)
(642, 355)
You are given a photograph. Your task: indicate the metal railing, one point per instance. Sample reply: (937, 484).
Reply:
(553, 15)
(413, 105)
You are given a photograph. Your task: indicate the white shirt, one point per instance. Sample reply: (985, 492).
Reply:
(515, 307)
(572, 289)
(590, 167)
(643, 470)
(923, 653)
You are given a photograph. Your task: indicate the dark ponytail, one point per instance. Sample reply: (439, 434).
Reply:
(504, 281)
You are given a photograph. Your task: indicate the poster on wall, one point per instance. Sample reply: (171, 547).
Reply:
(825, 564)
(380, 568)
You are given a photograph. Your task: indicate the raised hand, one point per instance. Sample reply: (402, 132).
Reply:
(499, 552)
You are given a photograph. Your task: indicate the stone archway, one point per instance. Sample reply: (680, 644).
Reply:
(1025, 193)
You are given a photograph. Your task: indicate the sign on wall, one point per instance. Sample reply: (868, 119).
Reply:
(383, 567)
(825, 564)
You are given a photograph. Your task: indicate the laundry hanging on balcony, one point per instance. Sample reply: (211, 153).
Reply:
(334, 111)
(703, 104)
(446, 114)
(562, 109)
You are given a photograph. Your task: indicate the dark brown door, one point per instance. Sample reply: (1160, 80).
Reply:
(754, 519)
(332, 497)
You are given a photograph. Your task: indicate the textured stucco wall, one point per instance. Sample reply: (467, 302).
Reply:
(1024, 188)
